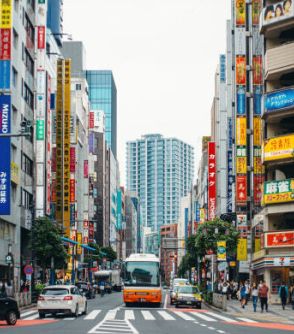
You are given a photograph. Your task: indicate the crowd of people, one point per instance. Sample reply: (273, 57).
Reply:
(244, 291)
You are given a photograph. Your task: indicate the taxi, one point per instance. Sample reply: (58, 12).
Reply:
(188, 295)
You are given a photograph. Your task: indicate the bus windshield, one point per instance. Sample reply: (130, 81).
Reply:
(142, 274)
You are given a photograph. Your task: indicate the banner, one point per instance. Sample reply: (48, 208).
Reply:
(279, 100)
(280, 11)
(72, 190)
(257, 70)
(5, 14)
(278, 148)
(221, 251)
(256, 9)
(5, 44)
(241, 165)
(72, 159)
(257, 136)
(241, 189)
(5, 74)
(242, 250)
(41, 37)
(241, 70)
(257, 187)
(278, 191)
(241, 100)
(80, 241)
(5, 161)
(257, 98)
(240, 8)
(241, 131)
(211, 181)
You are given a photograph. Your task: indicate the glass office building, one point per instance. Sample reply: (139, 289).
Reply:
(160, 170)
(102, 94)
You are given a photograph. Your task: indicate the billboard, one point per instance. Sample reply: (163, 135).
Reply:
(241, 131)
(242, 250)
(241, 70)
(257, 98)
(41, 37)
(257, 131)
(278, 148)
(279, 239)
(256, 9)
(277, 12)
(211, 181)
(5, 165)
(230, 181)
(257, 187)
(221, 251)
(5, 44)
(240, 9)
(241, 189)
(5, 14)
(279, 100)
(5, 74)
(241, 100)
(257, 70)
(278, 191)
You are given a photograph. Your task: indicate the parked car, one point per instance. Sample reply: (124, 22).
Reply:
(87, 289)
(188, 295)
(66, 299)
(173, 294)
(8, 309)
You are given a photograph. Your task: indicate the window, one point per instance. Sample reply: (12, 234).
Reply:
(26, 199)
(7, 231)
(15, 39)
(78, 87)
(30, 32)
(14, 77)
(29, 62)
(26, 164)
(28, 95)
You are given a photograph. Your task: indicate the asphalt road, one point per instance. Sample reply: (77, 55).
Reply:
(109, 315)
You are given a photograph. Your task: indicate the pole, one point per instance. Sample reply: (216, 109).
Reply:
(52, 273)
(212, 273)
(73, 265)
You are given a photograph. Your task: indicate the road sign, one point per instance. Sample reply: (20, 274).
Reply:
(28, 270)
(9, 259)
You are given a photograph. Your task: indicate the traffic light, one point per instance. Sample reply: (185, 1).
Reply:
(26, 127)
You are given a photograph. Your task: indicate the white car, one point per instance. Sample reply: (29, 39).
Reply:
(66, 299)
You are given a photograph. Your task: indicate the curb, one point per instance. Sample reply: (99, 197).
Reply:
(26, 307)
(214, 308)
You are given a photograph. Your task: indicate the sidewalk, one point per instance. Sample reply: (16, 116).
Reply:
(275, 312)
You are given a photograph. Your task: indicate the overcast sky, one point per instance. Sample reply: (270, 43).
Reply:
(163, 54)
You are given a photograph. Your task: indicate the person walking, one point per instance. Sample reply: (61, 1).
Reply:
(254, 294)
(292, 295)
(283, 294)
(247, 286)
(263, 295)
(102, 288)
(242, 295)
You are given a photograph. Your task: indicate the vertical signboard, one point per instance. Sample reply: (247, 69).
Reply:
(211, 181)
(5, 128)
(48, 147)
(80, 241)
(241, 189)
(41, 37)
(240, 6)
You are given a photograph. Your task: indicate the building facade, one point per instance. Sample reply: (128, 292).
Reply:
(160, 170)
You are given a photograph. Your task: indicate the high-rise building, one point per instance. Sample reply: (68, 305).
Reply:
(160, 170)
(102, 94)
(55, 19)
(273, 227)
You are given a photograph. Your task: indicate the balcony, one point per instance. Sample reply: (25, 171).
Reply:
(279, 61)
(272, 25)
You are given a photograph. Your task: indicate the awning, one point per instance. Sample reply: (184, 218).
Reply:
(69, 240)
(88, 247)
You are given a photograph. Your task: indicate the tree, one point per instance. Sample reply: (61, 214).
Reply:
(110, 254)
(47, 243)
(93, 255)
(209, 233)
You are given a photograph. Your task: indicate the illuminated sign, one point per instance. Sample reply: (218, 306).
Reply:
(279, 100)
(278, 191)
(278, 148)
(211, 181)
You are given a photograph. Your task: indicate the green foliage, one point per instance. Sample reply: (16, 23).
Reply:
(47, 243)
(110, 254)
(206, 237)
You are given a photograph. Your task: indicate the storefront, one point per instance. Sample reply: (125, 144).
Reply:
(274, 270)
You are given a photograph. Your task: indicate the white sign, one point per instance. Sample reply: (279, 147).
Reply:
(282, 261)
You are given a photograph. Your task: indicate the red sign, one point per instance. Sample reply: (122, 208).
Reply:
(41, 37)
(279, 239)
(258, 188)
(86, 169)
(257, 70)
(72, 159)
(5, 42)
(85, 240)
(91, 120)
(86, 223)
(28, 270)
(241, 189)
(72, 190)
(211, 181)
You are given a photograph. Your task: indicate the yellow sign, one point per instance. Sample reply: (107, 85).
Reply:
(241, 135)
(258, 167)
(278, 148)
(241, 165)
(257, 243)
(242, 250)
(221, 251)
(256, 131)
(14, 172)
(79, 240)
(281, 191)
(5, 14)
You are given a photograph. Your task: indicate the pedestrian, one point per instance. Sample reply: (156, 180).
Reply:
(283, 294)
(263, 295)
(242, 294)
(292, 295)
(254, 294)
(247, 286)
(102, 288)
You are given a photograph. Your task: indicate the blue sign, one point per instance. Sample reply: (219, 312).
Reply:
(222, 62)
(241, 100)
(197, 212)
(230, 126)
(72, 214)
(257, 96)
(5, 120)
(230, 182)
(282, 99)
(5, 74)
(91, 142)
(119, 210)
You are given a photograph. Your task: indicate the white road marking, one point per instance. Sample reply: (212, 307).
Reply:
(247, 320)
(202, 316)
(114, 326)
(22, 315)
(184, 316)
(110, 315)
(92, 315)
(196, 322)
(165, 315)
(147, 315)
(212, 328)
(219, 331)
(221, 317)
(165, 301)
(203, 325)
(129, 315)
(69, 318)
(33, 317)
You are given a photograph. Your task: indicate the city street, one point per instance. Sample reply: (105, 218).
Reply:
(109, 315)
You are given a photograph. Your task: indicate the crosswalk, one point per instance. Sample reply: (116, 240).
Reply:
(127, 315)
